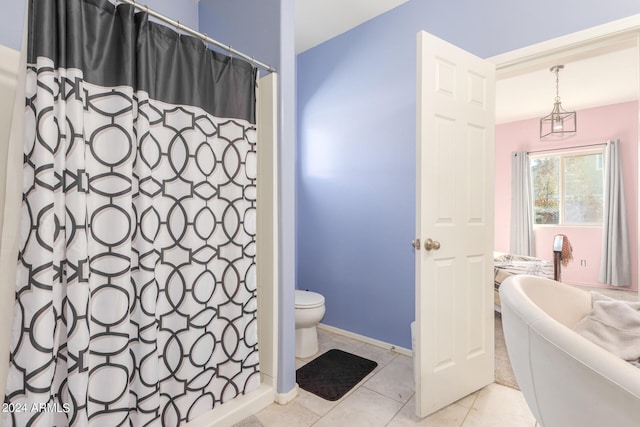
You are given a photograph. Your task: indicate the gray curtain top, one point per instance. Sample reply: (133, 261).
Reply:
(116, 46)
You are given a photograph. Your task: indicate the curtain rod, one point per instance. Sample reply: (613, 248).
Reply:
(199, 35)
(566, 148)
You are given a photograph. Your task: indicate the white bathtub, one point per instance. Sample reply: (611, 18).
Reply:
(566, 380)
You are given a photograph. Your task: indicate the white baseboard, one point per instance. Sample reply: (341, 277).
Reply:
(284, 398)
(372, 341)
(237, 409)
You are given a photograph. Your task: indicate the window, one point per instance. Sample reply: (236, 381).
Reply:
(568, 188)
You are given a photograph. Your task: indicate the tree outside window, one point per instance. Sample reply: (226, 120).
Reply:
(568, 188)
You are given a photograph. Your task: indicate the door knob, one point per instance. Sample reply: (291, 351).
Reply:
(431, 245)
(416, 244)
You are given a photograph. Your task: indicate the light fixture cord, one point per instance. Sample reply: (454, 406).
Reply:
(557, 85)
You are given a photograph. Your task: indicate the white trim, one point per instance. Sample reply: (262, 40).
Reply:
(364, 339)
(284, 398)
(267, 225)
(11, 98)
(622, 32)
(9, 65)
(236, 409)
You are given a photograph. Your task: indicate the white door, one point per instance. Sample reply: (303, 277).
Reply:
(454, 224)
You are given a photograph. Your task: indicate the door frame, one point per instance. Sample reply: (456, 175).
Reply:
(600, 37)
(574, 46)
(9, 80)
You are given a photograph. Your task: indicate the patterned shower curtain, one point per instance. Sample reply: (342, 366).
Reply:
(136, 281)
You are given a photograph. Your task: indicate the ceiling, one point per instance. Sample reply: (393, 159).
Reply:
(589, 79)
(320, 20)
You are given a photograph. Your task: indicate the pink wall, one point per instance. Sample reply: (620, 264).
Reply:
(595, 125)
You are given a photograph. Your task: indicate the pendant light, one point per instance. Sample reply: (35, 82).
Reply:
(559, 124)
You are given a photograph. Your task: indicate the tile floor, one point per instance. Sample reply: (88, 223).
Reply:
(386, 398)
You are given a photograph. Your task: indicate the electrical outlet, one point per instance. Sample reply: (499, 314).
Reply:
(583, 263)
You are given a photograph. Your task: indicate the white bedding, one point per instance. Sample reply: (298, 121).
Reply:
(505, 265)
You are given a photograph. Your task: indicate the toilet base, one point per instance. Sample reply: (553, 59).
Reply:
(306, 342)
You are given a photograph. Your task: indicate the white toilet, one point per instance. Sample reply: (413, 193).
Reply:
(309, 311)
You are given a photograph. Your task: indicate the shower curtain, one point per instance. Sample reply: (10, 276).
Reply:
(136, 286)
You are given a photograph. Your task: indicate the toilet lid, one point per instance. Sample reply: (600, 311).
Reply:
(308, 299)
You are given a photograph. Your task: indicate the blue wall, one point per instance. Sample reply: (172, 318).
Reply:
(255, 33)
(356, 144)
(12, 17)
(11, 22)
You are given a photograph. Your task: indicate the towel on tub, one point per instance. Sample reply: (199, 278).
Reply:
(614, 325)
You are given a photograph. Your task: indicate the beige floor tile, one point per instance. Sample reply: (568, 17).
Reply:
(290, 415)
(378, 354)
(301, 362)
(394, 380)
(325, 342)
(315, 403)
(499, 406)
(363, 408)
(468, 401)
(386, 398)
(324, 334)
(451, 416)
(341, 343)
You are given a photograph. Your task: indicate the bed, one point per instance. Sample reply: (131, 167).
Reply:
(506, 265)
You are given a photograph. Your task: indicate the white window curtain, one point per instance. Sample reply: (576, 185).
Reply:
(615, 267)
(521, 237)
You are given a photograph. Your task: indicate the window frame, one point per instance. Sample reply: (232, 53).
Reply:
(561, 155)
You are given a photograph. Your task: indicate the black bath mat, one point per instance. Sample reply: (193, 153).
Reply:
(333, 374)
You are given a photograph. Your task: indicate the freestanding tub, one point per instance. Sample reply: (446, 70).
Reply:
(567, 380)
